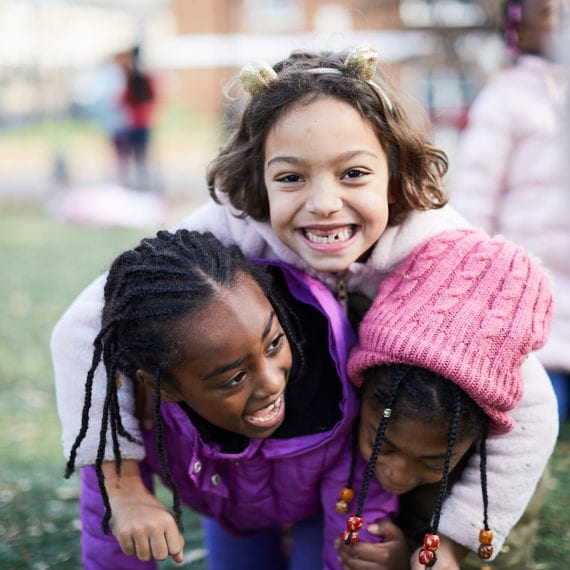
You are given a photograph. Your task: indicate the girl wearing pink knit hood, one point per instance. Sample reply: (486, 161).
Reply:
(439, 361)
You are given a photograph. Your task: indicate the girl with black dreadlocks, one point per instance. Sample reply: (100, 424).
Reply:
(249, 418)
(439, 361)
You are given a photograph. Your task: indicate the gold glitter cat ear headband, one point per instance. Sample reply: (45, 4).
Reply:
(361, 63)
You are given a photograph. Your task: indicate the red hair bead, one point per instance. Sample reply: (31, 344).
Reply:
(353, 524)
(426, 556)
(350, 537)
(431, 541)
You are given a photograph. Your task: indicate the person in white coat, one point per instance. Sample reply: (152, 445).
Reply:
(511, 174)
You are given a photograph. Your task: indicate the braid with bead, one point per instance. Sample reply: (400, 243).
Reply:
(149, 289)
(451, 437)
(486, 534)
(355, 521)
(427, 554)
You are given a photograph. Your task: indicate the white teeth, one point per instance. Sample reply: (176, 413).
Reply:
(271, 411)
(341, 235)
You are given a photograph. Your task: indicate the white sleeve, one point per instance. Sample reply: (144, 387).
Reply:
(72, 353)
(515, 463)
(72, 349)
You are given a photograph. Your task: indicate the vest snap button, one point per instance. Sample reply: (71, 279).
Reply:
(216, 479)
(197, 467)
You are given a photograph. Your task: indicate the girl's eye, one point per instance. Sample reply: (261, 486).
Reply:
(355, 173)
(433, 469)
(276, 343)
(289, 178)
(235, 380)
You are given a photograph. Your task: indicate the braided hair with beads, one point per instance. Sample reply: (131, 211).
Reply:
(149, 289)
(406, 391)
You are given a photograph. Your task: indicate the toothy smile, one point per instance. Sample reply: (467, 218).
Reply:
(268, 414)
(329, 236)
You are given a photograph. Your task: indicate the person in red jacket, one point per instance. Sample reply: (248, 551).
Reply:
(138, 103)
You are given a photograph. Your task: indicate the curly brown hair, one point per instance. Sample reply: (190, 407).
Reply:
(416, 167)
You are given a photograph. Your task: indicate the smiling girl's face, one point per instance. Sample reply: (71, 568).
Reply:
(412, 452)
(326, 175)
(236, 362)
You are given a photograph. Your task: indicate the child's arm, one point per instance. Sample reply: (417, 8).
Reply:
(144, 527)
(515, 464)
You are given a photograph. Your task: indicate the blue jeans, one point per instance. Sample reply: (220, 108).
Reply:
(265, 549)
(561, 384)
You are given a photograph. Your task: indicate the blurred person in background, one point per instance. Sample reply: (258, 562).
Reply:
(511, 176)
(137, 104)
(121, 98)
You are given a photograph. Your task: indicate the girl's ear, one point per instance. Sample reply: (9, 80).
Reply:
(167, 394)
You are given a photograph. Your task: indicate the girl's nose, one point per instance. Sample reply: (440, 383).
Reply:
(399, 472)
(269, 381)
(323, 200)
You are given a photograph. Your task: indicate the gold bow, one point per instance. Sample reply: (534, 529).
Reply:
(255, 77)
(362, 61)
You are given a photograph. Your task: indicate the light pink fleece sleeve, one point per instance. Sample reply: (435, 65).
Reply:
(515, 463)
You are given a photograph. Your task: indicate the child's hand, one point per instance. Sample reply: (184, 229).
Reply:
(450, 555)
(391, 554)
(143, 526)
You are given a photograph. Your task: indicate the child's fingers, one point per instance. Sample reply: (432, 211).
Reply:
(386, 529)
(158, 548)
(127, 545)
(175, 542)
(143, 549)
(165, 542)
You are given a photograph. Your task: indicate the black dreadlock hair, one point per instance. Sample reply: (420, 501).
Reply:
(139, 89)
(408, 391)
(148, 290)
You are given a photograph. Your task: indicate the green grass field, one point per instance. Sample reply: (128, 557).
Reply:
(45, 264)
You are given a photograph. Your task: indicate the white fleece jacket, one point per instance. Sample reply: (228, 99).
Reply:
(511, 178)
(515, 461)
